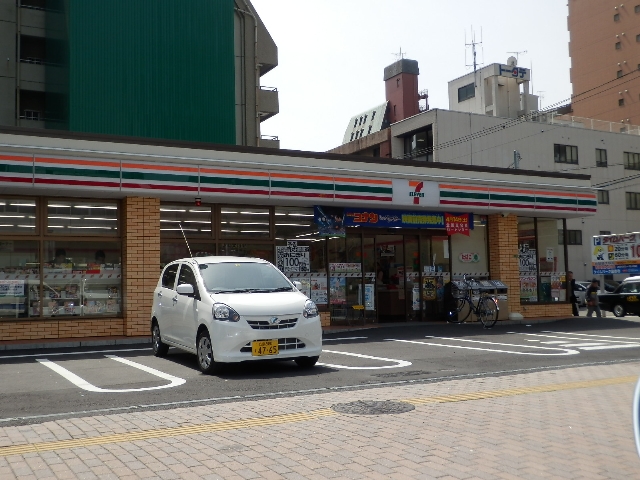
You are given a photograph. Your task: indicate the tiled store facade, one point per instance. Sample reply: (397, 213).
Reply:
(141, 177)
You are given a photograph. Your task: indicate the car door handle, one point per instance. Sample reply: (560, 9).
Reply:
(175, 299)
(159, 294)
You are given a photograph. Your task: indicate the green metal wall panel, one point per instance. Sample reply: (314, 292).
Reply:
(152, 68)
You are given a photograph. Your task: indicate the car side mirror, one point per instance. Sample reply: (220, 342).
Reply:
(185, 289)
(297, 284)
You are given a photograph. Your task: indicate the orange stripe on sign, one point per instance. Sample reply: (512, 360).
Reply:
(413, 183)
(301, 177)
(67, 161)
(15, 159)
(234, 172)
(159, 167)
(363, 180)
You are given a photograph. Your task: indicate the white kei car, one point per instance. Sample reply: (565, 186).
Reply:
(233, 309)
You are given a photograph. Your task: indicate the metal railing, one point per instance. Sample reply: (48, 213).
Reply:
(588, 123)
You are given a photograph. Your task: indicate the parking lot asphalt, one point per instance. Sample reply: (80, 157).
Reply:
(568, 423)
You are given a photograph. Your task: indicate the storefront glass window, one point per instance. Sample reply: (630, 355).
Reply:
(259, 250)
(82, 278)
(177, 249)
(19, 279)
(195, 221)
(551, 260)
(17, 216)
(65, 217)
(244, 222)
(295, 224)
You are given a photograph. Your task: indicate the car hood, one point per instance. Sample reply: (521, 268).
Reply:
(252, 304)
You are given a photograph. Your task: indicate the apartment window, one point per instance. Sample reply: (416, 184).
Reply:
(621, 102)
(373, 115)
(601, 157)
(360, 121)
(618, 73)
(32, 115)
(638, 38)
(361, 132)
(369, 131)
(605, 232)
(618, 45)
(631, 161)
(365, 119)
(633, 200)
(355, 123)
(637, 8)
(603, 197)
(466, 92)
(565, 154)
(574, 237)
(351, 139)
(616, 17)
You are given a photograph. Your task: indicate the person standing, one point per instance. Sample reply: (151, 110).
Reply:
(592, 299)
(571, 287)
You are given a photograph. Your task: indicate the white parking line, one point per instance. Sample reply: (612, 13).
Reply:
(83, 384)
(344, 338)
(624, 345)
(398, 363)
(564, 351)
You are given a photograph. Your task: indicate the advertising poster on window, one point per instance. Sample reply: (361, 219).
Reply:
(11, 288)
(369, 298)
(527, 258)
(558, 291)
(415, 299)
(330, 221)
(338, 290)
(319, 291)
(293, 258)
(529, 288)
(345, 268)
(429, 288)
(306, 285)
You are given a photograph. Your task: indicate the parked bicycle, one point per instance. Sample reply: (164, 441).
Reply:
(486, 308)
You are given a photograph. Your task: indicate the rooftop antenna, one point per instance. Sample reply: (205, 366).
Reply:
(541, 95)
(474, 52)
(185, 240)
(399, 56)
(517, 54)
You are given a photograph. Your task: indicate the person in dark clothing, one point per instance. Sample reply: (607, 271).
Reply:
(571, 292)
(592, 299)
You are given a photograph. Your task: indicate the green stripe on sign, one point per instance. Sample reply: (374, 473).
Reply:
(591, 203)
(512, 198)
(9, 168)
(557, 200)
(363, 188)
(477, 196)
(160, 177)
(251, 182)
(74, 172)
(301, 185)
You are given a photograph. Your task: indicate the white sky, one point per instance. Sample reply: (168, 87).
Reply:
(332, 54)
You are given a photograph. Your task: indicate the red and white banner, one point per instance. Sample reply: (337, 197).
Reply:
(457, 223)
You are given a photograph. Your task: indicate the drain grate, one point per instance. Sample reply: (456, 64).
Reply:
(362, 407)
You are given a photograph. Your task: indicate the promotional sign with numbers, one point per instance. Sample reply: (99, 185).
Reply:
(616, 254)
(292, 258)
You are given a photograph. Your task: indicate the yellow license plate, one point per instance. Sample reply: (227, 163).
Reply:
(264, 347)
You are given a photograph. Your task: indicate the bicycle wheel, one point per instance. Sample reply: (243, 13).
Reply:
(459, 313)
(488, 312)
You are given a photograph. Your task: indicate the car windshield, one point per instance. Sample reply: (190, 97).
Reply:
(243, 277)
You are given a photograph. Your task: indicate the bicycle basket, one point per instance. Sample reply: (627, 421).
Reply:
(459, 289)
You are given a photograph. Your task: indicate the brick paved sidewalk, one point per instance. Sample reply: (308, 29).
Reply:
(572, 423)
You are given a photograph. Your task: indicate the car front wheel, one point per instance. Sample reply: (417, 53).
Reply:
(205, 354)
(618, 310)
(160, 349)
(306, 362)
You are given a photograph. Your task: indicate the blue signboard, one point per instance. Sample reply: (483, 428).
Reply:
(362, 217)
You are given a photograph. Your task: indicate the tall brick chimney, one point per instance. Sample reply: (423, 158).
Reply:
(401, 87)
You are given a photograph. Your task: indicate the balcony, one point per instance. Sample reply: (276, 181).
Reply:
(268, 103)
(554, 118)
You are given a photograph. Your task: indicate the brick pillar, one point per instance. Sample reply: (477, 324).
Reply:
(503, 256)
(141, 261)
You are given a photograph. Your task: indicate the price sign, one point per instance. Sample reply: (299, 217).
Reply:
(293, 258)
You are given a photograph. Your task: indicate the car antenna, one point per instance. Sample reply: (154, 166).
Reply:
(185, 240)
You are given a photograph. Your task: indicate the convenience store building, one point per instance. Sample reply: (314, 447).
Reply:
(87, 221)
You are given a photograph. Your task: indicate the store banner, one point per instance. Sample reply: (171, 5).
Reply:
(615, 254)
(330, 221)
(457, 223)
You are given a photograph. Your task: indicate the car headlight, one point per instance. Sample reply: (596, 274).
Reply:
(310, 309)
(225, 313)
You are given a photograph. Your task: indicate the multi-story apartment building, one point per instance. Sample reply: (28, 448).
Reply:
(144, 68)
(493, 122)
(605, 59)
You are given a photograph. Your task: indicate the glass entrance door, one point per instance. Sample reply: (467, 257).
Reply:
(390, 278)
